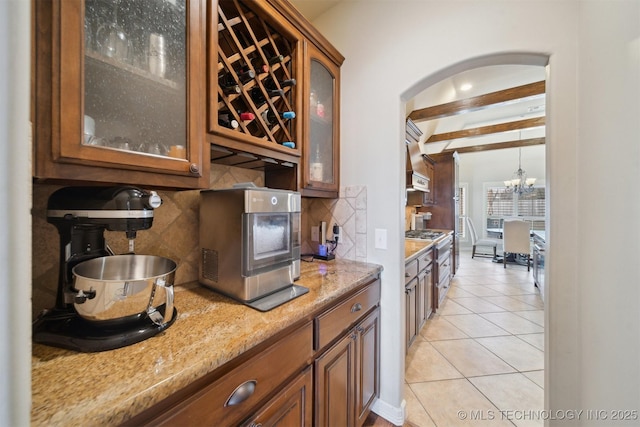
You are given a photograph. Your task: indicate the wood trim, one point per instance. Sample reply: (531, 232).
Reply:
(478, 102)
(486, 130)
(497, 146)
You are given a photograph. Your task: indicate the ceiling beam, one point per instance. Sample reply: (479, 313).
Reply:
(477, 102)
(487, 130)
(496, 146)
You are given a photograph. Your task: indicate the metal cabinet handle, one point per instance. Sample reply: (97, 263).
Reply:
(241, 393)
(193, 168)
(356, 307)
(407, 274)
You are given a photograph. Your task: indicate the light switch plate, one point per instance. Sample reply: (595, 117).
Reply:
(315, 233)
(381, 238)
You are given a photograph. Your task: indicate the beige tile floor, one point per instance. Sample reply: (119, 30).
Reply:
(479, 361)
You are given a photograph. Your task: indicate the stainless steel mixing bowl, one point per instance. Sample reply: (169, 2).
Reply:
(125, 286)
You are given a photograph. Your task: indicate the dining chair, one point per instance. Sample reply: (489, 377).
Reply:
(475, 242)
(516, 240)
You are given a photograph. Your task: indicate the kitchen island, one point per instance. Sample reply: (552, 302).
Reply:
(109, 388)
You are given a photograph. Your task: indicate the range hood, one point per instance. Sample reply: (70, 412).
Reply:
(417, 174)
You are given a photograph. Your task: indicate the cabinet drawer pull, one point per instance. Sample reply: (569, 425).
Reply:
(356, 307)
(241, 393)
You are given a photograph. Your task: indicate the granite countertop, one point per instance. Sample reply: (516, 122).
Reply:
(413, 247)
(107, 388)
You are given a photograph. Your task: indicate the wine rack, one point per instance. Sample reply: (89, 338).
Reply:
(256, 82)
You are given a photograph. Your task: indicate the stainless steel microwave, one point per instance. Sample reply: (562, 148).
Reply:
(250, 243)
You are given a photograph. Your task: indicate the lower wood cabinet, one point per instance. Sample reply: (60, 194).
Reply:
(411, 298)
(293, 406)
(347, 379)
(273, 383)
(419, 294)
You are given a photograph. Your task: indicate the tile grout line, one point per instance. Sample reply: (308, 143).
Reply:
(474, 339)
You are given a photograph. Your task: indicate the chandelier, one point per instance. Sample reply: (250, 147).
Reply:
(519, 183)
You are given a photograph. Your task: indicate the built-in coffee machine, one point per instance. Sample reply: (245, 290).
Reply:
(105, 301)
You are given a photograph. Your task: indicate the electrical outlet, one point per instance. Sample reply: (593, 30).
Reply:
(315, 233)
(337, 233)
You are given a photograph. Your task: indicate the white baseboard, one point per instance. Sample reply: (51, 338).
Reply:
(393, 414)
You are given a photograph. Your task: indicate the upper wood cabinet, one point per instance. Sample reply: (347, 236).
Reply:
(118, 93)
(255, 63)
(321, 149)
(273, 95)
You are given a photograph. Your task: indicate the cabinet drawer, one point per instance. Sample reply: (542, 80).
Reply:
(425, 259)
(334, 322)
(410, 271)
(266, 372)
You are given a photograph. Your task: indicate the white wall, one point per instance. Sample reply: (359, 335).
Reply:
(15, 215)
(394, 49)
(608, 160)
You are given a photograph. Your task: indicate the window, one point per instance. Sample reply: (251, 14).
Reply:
(530, 206)
(462, 224)
(499, 203)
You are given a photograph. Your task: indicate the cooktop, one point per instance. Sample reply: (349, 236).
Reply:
(423, 234)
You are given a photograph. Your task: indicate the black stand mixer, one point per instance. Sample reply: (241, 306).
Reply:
(81, 215)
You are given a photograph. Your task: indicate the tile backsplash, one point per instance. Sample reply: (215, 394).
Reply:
(349, 211)
(174, 233)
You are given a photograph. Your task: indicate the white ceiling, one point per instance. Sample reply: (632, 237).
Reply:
(484, 80)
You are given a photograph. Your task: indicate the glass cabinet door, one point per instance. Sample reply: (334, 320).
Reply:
(322, 149)
(134, 77)
(130, 84)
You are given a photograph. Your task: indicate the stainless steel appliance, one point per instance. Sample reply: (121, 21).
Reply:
(105, 301)
(250, 244)
(538, 259)
(425, 234)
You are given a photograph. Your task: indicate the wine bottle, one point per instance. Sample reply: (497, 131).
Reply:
(259, 65)
(246, 116)
(246, 75)
(271, 118)
(257, 96)
(272, 88)
(276, 59)
(315, 166)
(276, 92)
(227, 121)
(228, 85)
(289, 82)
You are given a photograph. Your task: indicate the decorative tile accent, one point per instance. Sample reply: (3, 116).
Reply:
(349, 211)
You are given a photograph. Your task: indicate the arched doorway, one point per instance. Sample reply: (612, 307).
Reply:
(437, 84)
